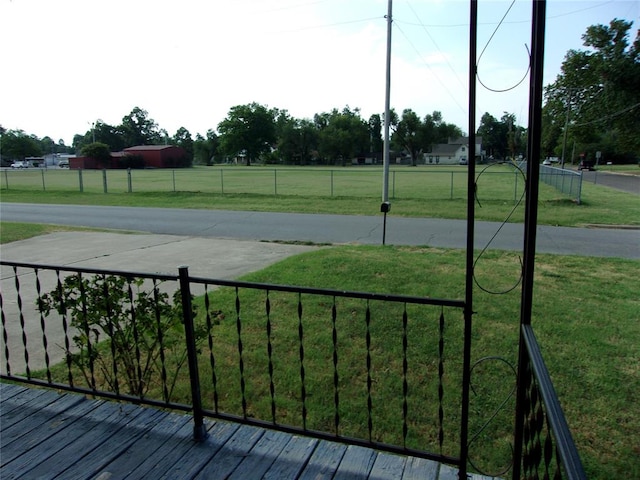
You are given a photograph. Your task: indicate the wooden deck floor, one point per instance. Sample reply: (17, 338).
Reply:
(45, 434)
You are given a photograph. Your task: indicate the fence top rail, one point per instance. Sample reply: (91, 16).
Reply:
(250, 285)
(333, 293)
(563, 171)
(564, 441)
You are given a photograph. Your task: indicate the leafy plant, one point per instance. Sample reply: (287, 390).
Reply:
(121, 331)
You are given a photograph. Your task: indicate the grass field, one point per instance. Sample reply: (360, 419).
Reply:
(586, 310)
(420, 192)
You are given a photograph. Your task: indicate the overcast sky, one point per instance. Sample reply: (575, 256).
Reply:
(68, 63)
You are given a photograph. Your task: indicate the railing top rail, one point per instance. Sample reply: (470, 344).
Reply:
(564, 441)
(89, 270)
(253, 285)
(335, 293)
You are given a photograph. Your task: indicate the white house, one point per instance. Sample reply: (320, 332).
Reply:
(456, 152)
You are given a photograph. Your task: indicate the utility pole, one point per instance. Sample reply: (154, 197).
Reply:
(566, 126)
(386, 206)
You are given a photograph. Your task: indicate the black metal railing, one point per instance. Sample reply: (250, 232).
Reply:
(544, 445)
(369, 369)
(347, 366)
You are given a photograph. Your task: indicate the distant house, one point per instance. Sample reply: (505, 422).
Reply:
(376, 158)
(142, 156)
(455, 152)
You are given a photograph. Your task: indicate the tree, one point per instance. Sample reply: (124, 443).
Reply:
(502, 138)
(249, 130)
(16, 144)
(415, 136)
(297, 138)
(138, 129)
(376, 142)
(205, 149)
(408, 133)
(342, 135)
(595, 100)
(183, 139)
(99, 152)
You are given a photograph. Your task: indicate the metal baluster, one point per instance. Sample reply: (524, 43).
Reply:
(241, 360)
(272, 388)
(163, 367)
(24, 334)
(87, 331)
(42, 325)
(212, 358)
(369, 382)
(303, 390)
(336, 378)
(405, 385)
(548, 448)
(65, 329)
(5, 336)
(136, 340)
(111, 332)
(440, 383)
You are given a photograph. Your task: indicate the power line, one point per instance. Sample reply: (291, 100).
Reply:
(607, 117)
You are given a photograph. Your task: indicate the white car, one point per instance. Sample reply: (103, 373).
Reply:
(19, 165)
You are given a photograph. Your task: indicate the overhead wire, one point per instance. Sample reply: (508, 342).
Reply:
(429, 67)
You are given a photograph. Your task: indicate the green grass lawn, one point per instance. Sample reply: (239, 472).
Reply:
(586, 317)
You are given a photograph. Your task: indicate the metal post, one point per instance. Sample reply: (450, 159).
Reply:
(393, 184)
(104, 180)
(43, 184)
(386, 206)
(451, 192)
(6, 179)
(129, 186)
(468, 310)
(199, 430)
(531, 213)
(80, 182)
(173, 178)
(332, 183)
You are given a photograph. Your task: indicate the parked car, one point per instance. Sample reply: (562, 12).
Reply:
(463, 161)
(63, 164)
(586, 165)
(546, 162)
(19, 165)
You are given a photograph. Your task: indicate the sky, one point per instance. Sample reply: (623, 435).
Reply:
(69, 63)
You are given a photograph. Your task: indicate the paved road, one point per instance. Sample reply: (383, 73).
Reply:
(336, 229)
(626, 183)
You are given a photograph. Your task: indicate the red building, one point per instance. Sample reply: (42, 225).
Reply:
(143, 156)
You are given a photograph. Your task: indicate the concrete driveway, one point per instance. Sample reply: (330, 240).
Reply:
(205, 257)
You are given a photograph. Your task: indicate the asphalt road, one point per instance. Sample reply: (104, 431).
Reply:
(333, 229)
(625, 183)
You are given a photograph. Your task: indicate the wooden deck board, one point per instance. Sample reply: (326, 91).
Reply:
(45, 434)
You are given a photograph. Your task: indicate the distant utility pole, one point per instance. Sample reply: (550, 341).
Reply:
(386, 206)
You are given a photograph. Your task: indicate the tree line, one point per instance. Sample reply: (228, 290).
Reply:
(255, 132)
(593, 106)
